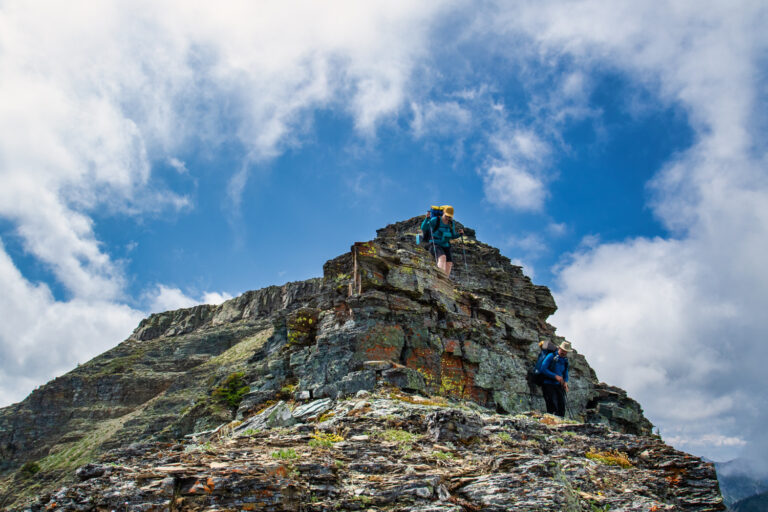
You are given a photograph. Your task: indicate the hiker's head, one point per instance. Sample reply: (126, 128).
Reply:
(447, 213)
(564, 348)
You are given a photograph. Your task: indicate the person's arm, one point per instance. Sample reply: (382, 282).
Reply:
(545, 367)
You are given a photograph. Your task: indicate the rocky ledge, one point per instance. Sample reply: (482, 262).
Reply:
(394, 451)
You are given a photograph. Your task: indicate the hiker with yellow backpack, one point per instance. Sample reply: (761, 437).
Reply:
(438, 230)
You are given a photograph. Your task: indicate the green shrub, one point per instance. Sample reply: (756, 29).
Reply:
(285, 454)
(232, 390)
(29, 469)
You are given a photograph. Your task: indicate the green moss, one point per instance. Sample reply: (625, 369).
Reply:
(398, 436)
(614, 458)
(443, 455)
(285, 454)
(326, 417)
(504, 436)
(29, 469)
(323, 440)
(242, 351)
(231, 390)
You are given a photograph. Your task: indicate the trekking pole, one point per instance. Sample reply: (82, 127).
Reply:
(464, 251)
(567, 407)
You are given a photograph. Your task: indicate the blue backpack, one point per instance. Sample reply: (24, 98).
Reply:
(538, 376)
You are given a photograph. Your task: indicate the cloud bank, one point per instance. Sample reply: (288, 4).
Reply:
(94, 96)
(678, 321)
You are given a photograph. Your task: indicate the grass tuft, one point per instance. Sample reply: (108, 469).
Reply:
(285, 454)
(610, 458)
(232, 390)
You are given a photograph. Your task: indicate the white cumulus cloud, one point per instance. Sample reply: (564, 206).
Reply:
(677, 320)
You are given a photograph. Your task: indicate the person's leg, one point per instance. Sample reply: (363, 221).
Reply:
(440, 254)
(548, 390)
(448, 267)
(448, 261)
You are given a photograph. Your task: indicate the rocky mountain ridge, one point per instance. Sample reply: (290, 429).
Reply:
(394, 451)
(382, 316)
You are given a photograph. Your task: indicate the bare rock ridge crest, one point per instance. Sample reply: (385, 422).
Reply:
(447, 359)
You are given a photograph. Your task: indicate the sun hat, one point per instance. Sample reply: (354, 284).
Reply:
(448, 210)
(566, 345)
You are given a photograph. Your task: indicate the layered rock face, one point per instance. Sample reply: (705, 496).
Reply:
(393, 451)
(382, 316)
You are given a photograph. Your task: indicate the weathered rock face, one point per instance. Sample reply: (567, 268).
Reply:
(398, 452)
(382, 315)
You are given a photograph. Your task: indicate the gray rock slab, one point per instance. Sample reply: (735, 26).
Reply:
(314, 408)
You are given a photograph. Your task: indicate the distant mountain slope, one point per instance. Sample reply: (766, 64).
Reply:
(757, 503)
(740, 479)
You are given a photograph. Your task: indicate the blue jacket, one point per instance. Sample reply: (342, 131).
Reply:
(442, 233)
(554, 365)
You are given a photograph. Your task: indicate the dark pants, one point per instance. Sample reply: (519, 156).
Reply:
(554, 396)
(441, 251)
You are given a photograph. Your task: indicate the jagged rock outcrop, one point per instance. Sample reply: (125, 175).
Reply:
(382, 315)
(393, 451)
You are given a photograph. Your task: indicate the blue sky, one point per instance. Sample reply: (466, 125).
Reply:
(162, 156)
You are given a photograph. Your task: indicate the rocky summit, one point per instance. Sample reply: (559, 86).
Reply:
(383, 385)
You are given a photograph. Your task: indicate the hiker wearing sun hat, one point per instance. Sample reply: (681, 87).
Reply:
(555, 385)
(441, 228)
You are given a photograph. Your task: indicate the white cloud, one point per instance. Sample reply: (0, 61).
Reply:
(677, 321)
(446, 119)
(557, 228)
(41, 337)
(215, 298)
(513, 178)
(708, 440)
(165, 298)
(528, 270)
(93, 95)
(514, 186)
(177, 164)
(86, 107)
(531, 244)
